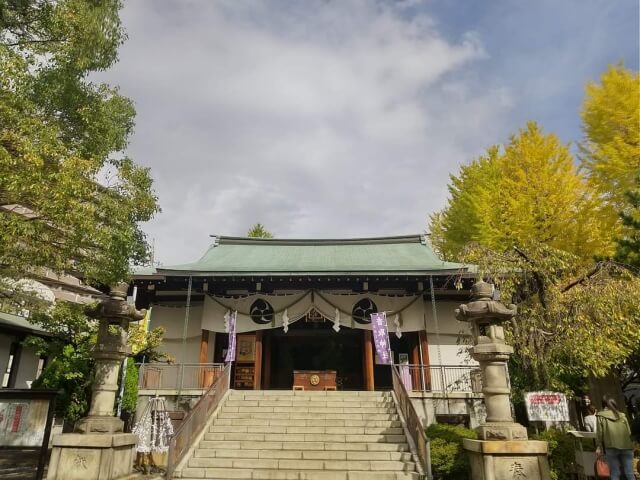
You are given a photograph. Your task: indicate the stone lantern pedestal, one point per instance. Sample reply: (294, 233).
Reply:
(99, 450)
(502, 451)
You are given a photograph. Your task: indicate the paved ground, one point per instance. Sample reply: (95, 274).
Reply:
(18, 464)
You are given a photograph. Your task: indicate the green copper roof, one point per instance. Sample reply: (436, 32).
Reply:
(11, 321)
(252, 256)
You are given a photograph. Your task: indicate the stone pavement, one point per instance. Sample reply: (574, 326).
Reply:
(18, 464)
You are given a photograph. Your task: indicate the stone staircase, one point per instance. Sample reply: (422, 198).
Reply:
(303, 436)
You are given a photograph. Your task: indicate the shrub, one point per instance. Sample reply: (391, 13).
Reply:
(449, 461)
(561, 452)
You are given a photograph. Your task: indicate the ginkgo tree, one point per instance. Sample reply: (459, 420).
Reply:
(529, 190)
(259, 231)
(610, 152)
(574, 319)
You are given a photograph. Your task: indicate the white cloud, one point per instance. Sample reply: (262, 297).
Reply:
(320, 119)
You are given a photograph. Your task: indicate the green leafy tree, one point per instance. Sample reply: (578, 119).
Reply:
(562, 453)
(69, 361)
(71, 202)
(628, 244)
(526, 191)
(69, 352)
(574, 319)
(259, 231)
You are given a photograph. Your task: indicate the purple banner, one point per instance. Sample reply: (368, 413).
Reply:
(381, 337)
(231, 352)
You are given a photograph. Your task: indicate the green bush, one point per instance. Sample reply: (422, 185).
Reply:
(561, 452)
(449, 461)
(130, 395)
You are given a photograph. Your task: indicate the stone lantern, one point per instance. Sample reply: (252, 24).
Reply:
(99, 449)
(502, 450)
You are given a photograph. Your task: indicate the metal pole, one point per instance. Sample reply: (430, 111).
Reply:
(184, 336)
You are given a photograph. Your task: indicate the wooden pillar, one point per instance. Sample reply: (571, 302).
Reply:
(266, 376)
(257, 376)
(424, 347)
(367, 358)
(416, 376)
(204, 346)
(204, 375)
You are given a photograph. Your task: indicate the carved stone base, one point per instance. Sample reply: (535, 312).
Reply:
(508, 460)
(99, 424)
(76, 456)
(501, 431)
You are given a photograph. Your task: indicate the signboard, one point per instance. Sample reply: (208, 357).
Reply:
(25, 422)
(547, 407)
(22, 422)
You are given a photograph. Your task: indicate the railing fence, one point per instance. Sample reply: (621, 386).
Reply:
(440, 378)
(413, 423)
(184, 376)
(195, 421)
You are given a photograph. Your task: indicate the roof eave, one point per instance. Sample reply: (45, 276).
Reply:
(200, 273)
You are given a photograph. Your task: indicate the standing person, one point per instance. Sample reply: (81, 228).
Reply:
(614, 439)
(590, 419)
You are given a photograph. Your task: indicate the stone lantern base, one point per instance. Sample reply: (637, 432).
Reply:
(92, 456)
(508, 459)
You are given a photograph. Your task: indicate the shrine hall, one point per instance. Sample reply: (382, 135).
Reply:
(303, 311)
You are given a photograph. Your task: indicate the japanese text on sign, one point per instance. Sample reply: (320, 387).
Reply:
(547, 407)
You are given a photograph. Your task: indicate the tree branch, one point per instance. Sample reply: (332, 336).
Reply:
(584, 278)
(27, 42)
(536, 276)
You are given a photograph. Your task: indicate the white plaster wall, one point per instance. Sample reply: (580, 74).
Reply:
(173, 321)
(5, 346)
(445, 350)
(27, 368)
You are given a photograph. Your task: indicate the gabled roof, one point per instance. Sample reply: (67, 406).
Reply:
(410, 255)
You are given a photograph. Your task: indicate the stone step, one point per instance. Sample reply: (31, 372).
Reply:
(311, 410)
(319, 402)
(258, 474)
(311, 445)
(312, 398)
(305, 416)
(320, 422)
(303, 454)
(297, 464)
(304, 437)
(308, 393)
(281, 429)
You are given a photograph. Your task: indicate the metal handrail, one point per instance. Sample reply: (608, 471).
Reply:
(413, 423)
(186, 376)
(196, 420)
(440, 378)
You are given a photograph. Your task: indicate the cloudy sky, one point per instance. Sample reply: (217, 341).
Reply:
(341, 118)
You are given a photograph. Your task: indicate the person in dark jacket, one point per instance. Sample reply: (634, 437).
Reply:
(613, 437)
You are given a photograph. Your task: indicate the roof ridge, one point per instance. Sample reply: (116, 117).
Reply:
(396, 239)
